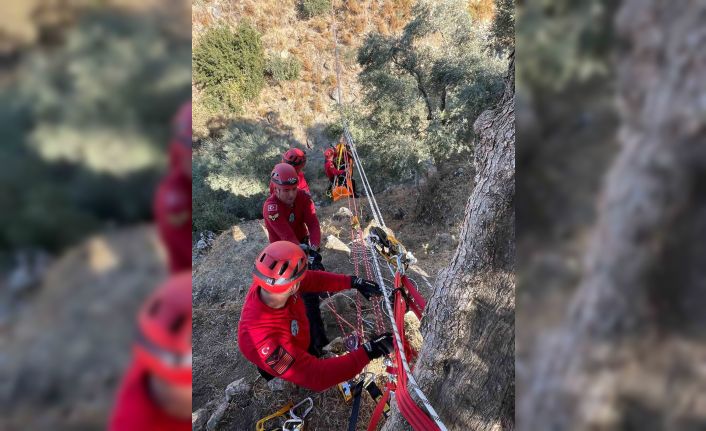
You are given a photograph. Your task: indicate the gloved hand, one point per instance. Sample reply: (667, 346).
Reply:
(314, 260)
(367, 287)
(378, 346)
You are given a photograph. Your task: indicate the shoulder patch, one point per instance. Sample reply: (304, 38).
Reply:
(272, 207)
(279, 359)
(273, 217)
(266, 348)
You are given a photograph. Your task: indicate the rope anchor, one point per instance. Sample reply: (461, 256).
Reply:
(390, 248)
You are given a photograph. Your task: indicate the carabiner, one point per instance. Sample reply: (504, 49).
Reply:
(306, 411)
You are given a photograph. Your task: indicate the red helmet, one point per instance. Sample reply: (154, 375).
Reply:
(284, 175)
(329, 153)
(280, 265)
(295, 157)
(163, 343)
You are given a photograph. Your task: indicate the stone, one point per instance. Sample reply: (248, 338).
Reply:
(237, 387)
(199, 419)
(217, 416)
(343, 213)
(276, 384)
(333, 243)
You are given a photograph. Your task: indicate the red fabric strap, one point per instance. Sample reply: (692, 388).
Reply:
(379, 408)
(409, 409)
(418, 303)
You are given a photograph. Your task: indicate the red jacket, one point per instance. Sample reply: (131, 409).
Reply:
(172, 211)
(277, 340)
(331, 170)
(301, 184)
(285, 223)
(136, 411)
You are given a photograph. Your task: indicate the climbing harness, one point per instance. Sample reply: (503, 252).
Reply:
(295, 422)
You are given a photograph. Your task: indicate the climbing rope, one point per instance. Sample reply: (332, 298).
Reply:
(405, 377)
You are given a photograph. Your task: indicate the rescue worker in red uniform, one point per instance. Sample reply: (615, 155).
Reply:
(290, 215)
(273, 332)
(329, 167)
(155, 394)
(172, 201)
(333, 171)
(289, 212)
(296, 158)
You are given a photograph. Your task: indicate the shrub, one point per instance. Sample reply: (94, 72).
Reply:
(283, 69)
(85, 130)
(230, 175)
(423, 92)
(229, 66)
(312, 8)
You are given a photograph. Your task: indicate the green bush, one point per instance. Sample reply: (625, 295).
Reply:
(229, 66)
(230, 175)
(283, 69)
(312, 8)
(423, 92)
(85, 130)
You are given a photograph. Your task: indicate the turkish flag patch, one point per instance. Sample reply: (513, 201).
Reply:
(272, 207)
(280, 360)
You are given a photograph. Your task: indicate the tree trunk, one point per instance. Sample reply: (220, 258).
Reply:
(614, 364)
(466, 365)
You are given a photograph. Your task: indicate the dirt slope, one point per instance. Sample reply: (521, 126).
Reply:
(303, 106)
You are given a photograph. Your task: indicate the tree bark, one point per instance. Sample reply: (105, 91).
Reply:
(642, 285)
(466, 365)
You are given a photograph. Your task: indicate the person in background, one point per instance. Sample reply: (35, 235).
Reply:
(332, 172)
(297, 158)
(335, 169)
(172, 200)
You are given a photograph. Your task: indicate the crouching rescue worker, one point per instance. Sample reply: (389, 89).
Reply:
(155, 394)
(273, 332)
(290, 215)
(172, 201)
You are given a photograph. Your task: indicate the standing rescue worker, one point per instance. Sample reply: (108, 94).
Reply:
(155, 394)
(289, 212)
(290, 215)
(329, 167)
(336, 171)
(296, 158)
(172, 201)
(273, 332)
